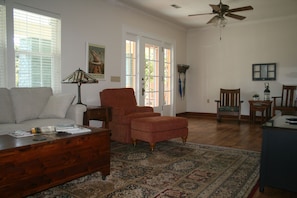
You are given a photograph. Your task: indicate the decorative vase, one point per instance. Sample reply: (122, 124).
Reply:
(266, 92)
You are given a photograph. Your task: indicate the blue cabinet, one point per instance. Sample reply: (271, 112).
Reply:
(279, 154)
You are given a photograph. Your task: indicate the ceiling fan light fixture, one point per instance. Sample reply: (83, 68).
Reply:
(222, 22)
(221, 10)
(175, 6)
(219, 21)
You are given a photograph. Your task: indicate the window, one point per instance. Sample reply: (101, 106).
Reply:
(36, 44)
(37, 57)
(2, 45)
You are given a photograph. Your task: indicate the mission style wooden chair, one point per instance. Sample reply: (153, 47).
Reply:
(229, 104)
(285, 103)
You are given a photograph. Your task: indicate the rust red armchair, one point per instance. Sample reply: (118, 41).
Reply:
(124, 110)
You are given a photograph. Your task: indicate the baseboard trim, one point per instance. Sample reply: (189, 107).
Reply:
(209, 115)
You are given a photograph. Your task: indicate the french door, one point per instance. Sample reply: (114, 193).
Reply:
(151, 76)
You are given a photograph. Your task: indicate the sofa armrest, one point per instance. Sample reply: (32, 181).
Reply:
(76, 113)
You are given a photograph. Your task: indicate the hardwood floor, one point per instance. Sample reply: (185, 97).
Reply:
(229, 133)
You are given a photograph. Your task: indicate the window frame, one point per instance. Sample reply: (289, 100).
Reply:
(140, 38)
(3, 45)
(10, 52)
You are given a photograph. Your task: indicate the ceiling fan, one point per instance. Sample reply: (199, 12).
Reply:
(222, 10)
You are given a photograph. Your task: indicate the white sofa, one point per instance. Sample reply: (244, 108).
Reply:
(25, 108)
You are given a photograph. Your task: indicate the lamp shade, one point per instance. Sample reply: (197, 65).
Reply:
(79, 77)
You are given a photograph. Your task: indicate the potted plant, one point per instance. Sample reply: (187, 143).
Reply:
(256, 96)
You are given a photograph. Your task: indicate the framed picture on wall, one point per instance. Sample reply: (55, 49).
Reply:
(96, 60)
(264, 71)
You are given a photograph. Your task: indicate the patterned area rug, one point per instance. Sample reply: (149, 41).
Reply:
(172, 170)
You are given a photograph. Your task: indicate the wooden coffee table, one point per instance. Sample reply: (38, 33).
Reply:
(29, 166)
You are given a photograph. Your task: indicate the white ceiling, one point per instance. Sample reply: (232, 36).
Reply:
(263, 10)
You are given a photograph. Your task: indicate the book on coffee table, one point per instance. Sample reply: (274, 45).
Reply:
(20, 134)
(73, 130)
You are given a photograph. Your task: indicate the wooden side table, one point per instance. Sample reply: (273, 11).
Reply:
(263, 106)
(97, 113)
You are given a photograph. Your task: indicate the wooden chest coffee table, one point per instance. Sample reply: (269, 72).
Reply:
(29, 166)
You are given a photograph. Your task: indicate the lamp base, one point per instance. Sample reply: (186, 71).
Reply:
(81, 103)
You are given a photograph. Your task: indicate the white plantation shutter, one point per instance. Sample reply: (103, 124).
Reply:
(3, 79)
(37, 50)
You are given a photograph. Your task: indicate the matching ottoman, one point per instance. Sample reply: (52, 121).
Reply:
(159, 128)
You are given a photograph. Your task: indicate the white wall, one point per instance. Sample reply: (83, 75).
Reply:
(213, 63)
(227, 63)
(101, 22)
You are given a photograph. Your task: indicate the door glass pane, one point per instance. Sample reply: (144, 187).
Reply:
(151, 79)
(167, 77)
(131, 64)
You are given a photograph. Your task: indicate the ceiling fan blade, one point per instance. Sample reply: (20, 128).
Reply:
(215, 7)
(241, 9)
(213, 19)
(200, 14)
(235, 16)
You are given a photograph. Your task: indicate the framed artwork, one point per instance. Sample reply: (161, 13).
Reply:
(96, 61)
(264, 71)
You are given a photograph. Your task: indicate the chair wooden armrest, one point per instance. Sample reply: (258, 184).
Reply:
(286, 102)
(218, 103)
(275, 97)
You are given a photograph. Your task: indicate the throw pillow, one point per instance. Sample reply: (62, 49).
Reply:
(29, 102)
(57, 106)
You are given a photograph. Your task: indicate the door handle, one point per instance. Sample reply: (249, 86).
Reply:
(143, 90)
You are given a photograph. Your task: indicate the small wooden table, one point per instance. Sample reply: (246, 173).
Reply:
(98, 113)
(263, 106)
(29, 166)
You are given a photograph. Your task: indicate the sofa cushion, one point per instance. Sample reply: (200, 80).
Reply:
(28, 103)
(6, 113)
(11, 127)
(47, 122)
(57, 106)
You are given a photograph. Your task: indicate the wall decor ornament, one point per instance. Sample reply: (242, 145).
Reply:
(182, 69)
(96, 60)
(264, 71)
(266, 91)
